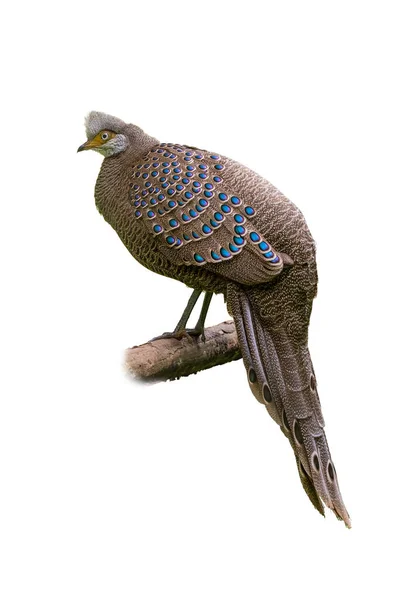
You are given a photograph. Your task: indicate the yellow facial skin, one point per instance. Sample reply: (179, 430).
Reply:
(99, 140)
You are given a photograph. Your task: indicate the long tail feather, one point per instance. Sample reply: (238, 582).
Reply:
(281, 376)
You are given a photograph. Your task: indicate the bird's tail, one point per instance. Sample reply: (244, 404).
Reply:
(281, 376)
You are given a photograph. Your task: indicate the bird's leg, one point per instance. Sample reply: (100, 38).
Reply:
(199, 328)
(181, 325)
(180, 330)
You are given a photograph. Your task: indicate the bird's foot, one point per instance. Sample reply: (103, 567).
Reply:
(179, 334)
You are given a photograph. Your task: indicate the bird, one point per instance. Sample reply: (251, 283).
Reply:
(220, 228)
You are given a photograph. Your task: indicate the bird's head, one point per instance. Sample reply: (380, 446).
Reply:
(106, 134)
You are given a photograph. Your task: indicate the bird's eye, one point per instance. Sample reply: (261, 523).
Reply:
(104, 136)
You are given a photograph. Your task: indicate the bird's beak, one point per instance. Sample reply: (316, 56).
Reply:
(88, 145)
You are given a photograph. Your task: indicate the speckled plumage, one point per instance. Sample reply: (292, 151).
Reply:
(215, 225)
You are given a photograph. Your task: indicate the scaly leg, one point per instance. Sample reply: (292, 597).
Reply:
(180, 330)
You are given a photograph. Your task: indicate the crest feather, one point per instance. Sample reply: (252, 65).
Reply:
(97, 121)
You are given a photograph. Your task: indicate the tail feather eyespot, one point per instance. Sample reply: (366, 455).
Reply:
(331, 472)
(298, 436)
(252, 375)
(315, 461)
(266, 392)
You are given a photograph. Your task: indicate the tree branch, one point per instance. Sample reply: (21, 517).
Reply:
(164, 359)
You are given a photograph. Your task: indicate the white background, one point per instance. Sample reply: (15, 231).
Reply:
(188, 489)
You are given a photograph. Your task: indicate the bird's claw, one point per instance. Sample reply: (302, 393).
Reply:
(181, 333)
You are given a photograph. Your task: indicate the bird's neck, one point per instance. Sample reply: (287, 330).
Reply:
(112, 185)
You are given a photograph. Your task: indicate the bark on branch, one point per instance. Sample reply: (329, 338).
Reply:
(165, 359)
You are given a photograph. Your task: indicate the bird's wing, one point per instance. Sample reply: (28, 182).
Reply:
(181, 197)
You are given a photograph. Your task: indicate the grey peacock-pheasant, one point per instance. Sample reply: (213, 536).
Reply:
(220, 228)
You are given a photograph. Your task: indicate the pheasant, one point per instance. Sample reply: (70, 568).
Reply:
(218, 227)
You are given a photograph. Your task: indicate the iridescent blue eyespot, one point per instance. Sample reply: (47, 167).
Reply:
(151, 214)
(166, 171)
(239, 218)
(215, 255)
(177, 170)
(178, 242)
(239, 230)
(147, 184)
(198, 156)
(160, 211)
(235, 200)
(218, 167)
(189, 174)
(163, 179)
(222, 197)
(188, 195)
(225, 253)
(203, 202)
(206, 229)
(275, 260)
(161, 197)
(165, 164)
(214, 223)
(176, 177)
(233, 248)
(209, 194)
(188, 153)
(138, 213)
(186, 237)
(145, 175)
(192, 213)
(199, 208)
(203, 175)
(263, 246)
(268, 254)
(179, 187)
(174, 164)
(190, 167)
(195, 235)
(239, 241)
(218, 216)
(143, 203)
(209, 186)
(198, 258)
(173, 223)
(156, 164)
(196, 184)
(214, 156)
(185, 181)
(217, 179)
(171, 192)
(254, 236)
(157, 228)
(154, 173)
(203, 167)
(165, 185)
(225, 208)
(249, 211)
(171, 204)
(185, 217)
(170, 240)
